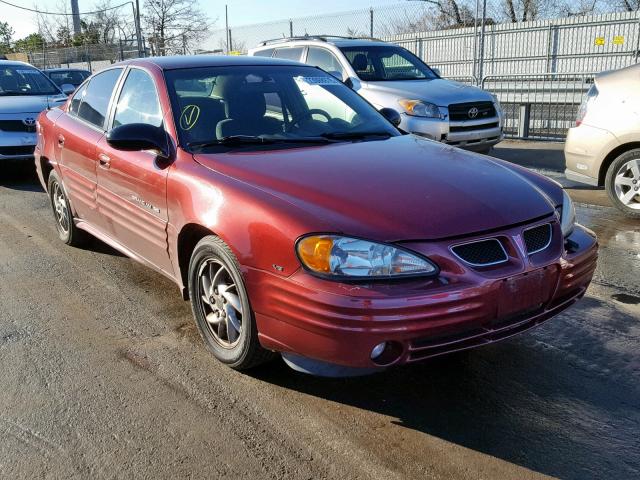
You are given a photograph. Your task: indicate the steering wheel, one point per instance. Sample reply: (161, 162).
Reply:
(309, 113)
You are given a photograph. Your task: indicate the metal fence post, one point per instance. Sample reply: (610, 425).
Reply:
(371, 22)
(290, 27)
(482, 31)
(524, 120)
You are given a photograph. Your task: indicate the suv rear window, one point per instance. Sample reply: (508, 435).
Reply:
(293, 53)
(267, 52)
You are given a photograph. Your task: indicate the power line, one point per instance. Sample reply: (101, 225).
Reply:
(63, 14)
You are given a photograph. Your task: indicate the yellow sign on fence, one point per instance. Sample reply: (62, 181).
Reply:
(599, 41)
(618, 40)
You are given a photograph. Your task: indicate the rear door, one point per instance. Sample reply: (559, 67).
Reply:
(77, 132)
(132, 185)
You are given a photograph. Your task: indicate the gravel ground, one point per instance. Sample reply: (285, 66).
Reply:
(105, 376)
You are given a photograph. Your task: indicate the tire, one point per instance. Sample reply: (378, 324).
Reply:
(622, 181)
(67, 230)
(224, 317)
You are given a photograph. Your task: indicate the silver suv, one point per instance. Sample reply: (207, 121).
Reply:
(390, 76)
(24, 92)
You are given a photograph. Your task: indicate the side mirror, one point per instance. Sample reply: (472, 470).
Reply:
(436, 71)
(392, 115)
(138, 136)
(67, 88)
(348, 82)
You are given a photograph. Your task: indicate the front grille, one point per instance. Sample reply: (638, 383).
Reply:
(460, 111)
(25, 150)
(481, 253)
(16, 126)
(469, 128)
(537, 238)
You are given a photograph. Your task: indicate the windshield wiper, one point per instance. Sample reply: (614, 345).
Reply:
(254, 140)
(353, 135)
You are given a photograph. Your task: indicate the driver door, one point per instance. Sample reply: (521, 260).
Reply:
(132, 185)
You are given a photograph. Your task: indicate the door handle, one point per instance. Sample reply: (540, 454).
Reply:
(105, 161)
(61, 140)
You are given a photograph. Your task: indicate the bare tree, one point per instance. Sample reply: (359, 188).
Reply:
(174, 26)
(629, 5)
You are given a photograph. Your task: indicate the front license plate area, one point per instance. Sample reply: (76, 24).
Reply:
(527, 291)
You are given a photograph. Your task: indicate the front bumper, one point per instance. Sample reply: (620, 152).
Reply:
(470, 135)
(17, 146)
(463, 308)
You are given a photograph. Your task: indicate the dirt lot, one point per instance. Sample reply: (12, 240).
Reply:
(104, 376)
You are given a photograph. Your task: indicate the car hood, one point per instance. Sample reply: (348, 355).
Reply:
(403, 188)
(438, 91)
(29, 103)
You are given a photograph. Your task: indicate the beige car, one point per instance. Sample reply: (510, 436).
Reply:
(604, 147)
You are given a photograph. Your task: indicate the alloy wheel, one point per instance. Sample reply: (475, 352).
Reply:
(220, 302)
(627, 184)
(60, 208)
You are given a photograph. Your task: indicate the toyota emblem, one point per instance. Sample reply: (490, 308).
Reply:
(473, 112)
(29, 121)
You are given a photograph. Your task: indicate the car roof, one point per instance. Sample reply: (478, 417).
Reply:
(15, 63)
(323, 39)
(194, 61)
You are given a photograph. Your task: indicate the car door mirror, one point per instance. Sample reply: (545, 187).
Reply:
(67, 88)
(138, 136)
(392, 115)
(348, 82)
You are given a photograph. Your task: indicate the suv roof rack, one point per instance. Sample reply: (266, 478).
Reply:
(318, 38)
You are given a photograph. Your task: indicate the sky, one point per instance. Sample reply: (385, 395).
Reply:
(241, 12)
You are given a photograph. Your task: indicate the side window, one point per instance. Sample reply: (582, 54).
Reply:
(323, 58)
(397, 66)
(267, 52)
(95, 100)
(138, 102)
(74, 106)
(293, 53)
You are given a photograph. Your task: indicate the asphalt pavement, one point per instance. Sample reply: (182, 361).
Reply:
(105, 376)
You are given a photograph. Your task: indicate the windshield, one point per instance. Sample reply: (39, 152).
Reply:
(24, 80)
(377, 63)
(227, 107)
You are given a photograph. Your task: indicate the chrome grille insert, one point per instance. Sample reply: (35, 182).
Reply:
(537, 238)
(481, 253)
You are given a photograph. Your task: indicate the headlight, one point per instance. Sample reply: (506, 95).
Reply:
(496, 103)
(418, 108)
(568, 214)
(337, 256)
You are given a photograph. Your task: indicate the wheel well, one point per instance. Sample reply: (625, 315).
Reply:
(188, 238)
(615, 153)
(45, 168)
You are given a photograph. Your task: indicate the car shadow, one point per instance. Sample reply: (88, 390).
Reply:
(558, 400)
(20, 176)
(546, 156)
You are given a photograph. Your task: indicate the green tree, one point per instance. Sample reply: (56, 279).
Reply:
(6, 34)
(29, 43)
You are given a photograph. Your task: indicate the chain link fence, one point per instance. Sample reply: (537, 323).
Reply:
(88, 57)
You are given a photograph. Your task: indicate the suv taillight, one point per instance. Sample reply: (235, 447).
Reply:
(589, 97)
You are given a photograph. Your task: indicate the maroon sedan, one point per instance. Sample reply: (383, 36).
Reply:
(298, 219)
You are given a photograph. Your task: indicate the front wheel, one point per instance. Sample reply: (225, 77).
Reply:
(623, 183)
(221, 306)
(67, 230)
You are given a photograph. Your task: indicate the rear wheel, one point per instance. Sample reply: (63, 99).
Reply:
(623, 183)
(221, 306)
(67, 230)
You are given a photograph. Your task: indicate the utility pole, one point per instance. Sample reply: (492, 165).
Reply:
(136, 14)
(75, 13)
(226, 27)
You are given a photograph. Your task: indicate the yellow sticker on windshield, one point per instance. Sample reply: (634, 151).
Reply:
(189, 117)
